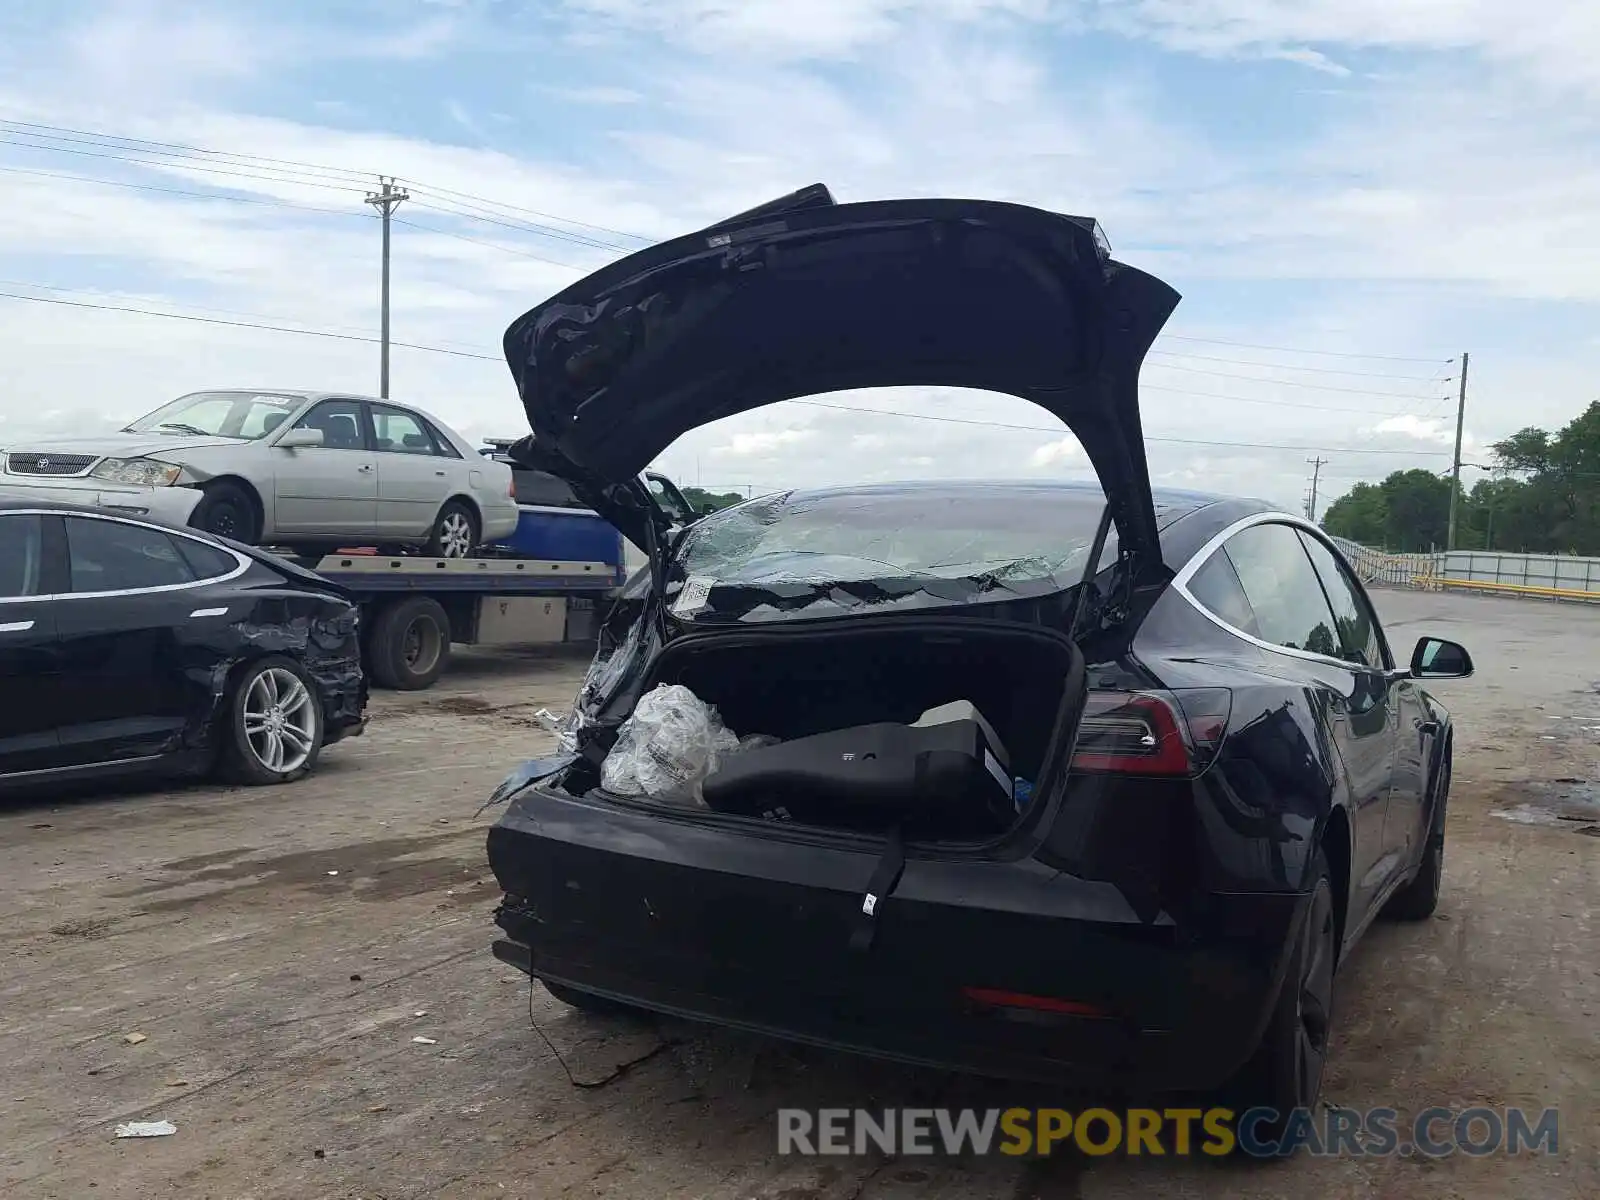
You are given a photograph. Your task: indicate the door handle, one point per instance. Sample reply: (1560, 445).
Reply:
(440, 474)
(364, 467)
(16, 626)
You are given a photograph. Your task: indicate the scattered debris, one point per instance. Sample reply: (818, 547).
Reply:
(421, 1012)
(425, 1041)
(319, 1153)
(133, 1039)
(355, 979)
(42, 825)
(333, 872)
(177, 1083)
(143, 1129)
(377, 1108)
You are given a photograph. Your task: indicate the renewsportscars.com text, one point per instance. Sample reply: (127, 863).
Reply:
(1216, 1132)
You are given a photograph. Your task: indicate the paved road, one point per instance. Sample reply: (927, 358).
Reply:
(279, 950)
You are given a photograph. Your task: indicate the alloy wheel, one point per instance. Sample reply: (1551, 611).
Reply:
(279, 721)
(455, 535)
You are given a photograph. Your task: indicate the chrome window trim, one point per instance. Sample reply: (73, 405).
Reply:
(1180, 584)
(241, 563)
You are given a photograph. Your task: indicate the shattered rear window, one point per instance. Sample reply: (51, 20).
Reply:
(813, 554)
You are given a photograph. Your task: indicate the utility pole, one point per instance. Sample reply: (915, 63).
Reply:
(1455, 466)
(1316, 465)
(385, 202)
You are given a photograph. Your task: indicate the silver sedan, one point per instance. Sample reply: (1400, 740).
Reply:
(290, 468)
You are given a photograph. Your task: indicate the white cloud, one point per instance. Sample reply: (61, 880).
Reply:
(763, 444)
(1064, 450)
(1430, 207)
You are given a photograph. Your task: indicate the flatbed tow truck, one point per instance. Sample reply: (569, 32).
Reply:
(413, 608)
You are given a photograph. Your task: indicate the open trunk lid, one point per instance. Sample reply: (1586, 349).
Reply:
(803, 296)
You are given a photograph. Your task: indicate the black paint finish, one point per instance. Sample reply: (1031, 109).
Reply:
(1169, 905)
(138, 681)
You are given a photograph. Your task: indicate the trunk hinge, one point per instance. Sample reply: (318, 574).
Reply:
(884, 878)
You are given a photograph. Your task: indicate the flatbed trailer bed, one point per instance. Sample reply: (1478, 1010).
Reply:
(413, 608)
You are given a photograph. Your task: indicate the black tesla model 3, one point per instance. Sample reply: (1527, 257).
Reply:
(129, 647)
(1046, 781)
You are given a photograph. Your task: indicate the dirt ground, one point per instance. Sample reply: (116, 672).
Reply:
(279, 950)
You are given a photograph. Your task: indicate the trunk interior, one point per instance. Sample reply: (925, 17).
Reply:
(789, 684)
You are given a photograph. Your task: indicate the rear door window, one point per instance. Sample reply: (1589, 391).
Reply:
(398, 432)
(1282, 588)
(1354, 619)
(21, 555)
(111, 556)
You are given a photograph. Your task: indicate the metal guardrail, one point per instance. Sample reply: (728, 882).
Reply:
(1547, 576)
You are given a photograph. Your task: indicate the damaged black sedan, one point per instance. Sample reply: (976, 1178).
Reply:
(1045, 781)
(130, 647)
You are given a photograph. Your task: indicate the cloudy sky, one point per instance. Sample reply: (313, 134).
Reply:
(1348, 193)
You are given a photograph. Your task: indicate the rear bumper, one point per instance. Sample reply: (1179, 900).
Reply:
(751, 932)
(170, 504)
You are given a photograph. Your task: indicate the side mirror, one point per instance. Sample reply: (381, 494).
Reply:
(299, 438)
(1435, 658)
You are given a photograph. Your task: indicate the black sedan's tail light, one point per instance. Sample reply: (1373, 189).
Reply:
(1171, 733)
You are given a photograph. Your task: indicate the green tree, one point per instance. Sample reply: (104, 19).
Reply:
(1544, 498)
(1361, 515)
(705, 501)
(1408, 512)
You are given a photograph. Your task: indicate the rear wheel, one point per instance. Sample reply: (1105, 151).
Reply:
(273, 729)
(454, 533)
(1286, 1070)
(409, 644)
(1419, 898)
(228, 510)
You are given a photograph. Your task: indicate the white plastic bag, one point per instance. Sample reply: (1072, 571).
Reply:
(667, 747)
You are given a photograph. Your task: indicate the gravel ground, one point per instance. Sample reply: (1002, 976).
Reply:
(278, 951)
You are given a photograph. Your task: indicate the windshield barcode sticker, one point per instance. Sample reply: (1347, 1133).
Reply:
(692, 598)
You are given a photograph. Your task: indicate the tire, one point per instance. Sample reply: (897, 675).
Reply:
(250, 730)
(228, 510)
(1285, 1072)
(455, 531)
(1419, 898)
(409, 645)
(588, 1002)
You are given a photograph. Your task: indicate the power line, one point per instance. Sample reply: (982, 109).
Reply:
(1178, 337)
(461, 237)
(523, 227)
(1321, 387)
(173, 149)
(1060, 430)
(151, 187)
(1370, 412)
(347, 337)
(423, 185)
(1250, 362)
(270, 318)
(321, 333)
(185, 165)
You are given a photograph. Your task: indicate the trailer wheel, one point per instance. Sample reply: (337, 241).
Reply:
(409, 645)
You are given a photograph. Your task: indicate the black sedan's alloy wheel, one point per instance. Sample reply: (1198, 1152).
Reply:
(272, 723)
(1419, 898)
(1286, 1072)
